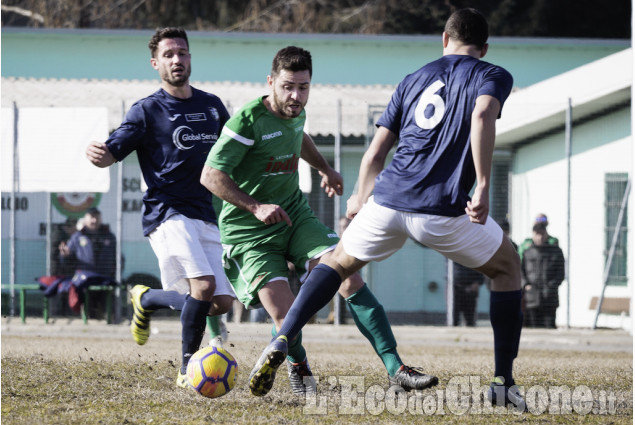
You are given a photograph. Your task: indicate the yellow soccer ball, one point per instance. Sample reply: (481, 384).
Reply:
(211, 371)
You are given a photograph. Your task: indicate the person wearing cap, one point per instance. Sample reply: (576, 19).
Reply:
(542, 271)
(551, 240)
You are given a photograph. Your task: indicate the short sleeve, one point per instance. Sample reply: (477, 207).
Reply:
(391, 118)
(130, 133)
(235, 140)
(497, 82)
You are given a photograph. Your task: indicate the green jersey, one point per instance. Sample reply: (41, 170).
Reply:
(260, 152)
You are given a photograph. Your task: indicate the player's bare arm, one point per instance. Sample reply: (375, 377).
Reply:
(332, 181)
(372, 163)
(99, 155)
(220, 184)
(483, 135)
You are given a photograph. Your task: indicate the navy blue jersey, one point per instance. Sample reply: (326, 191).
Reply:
(172, 138)
(432, 171)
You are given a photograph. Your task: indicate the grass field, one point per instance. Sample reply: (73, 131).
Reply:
(70, 373)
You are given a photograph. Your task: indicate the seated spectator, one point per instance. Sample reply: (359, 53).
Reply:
(91, 252)
(61, 232)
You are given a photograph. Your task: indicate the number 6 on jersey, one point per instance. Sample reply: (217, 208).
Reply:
(429, 97)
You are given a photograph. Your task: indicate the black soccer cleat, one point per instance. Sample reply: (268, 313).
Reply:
(410, 378)
(301, 378)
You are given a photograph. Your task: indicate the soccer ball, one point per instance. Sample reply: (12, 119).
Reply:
(211, 371)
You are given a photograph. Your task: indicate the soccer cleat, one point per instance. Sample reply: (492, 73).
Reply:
(181, 380)
(140, 323)
(500, 394)
(264, 373)
(410, 378)
(301, 378)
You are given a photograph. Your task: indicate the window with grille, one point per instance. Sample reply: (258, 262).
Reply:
(615, 187)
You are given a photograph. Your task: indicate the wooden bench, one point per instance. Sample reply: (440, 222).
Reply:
(23, 288)
(612, 305)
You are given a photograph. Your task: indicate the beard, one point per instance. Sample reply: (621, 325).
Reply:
(177, 80)
(281, 107)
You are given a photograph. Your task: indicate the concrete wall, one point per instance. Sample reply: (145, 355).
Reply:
(539, 185)
(246, 57)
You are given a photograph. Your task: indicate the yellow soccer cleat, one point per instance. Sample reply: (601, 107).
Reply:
(140, 323)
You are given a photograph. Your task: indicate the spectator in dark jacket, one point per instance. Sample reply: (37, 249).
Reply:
(550, 240)
(542, 273)
(92, 253)
(467, 283)
(93, 248)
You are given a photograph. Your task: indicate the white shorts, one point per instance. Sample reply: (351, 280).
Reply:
(378, 232)
(186, 249)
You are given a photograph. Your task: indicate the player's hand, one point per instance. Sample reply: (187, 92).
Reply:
(332, 182)
(353, 205)
(64, 250)
(478, 208)
(99, 155)
(272, 214)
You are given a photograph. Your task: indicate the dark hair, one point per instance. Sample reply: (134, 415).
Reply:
(469, 27)
(163, 33)
(540, 228)
(292, 58)
(93, 211)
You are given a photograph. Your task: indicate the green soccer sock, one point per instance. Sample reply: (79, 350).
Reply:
(372, 322)
(296, 353)
(213, 323)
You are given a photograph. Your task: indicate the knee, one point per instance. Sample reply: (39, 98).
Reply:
(504, 270)
(208, 288)
(509, 264)
(351, 285)
(203, 288)
(222, 304)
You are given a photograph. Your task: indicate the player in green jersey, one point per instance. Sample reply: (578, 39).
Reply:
(266, 221)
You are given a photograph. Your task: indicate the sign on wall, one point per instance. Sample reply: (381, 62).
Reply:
(51, 149)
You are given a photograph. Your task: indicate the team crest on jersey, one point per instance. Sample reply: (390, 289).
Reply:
(214, 113)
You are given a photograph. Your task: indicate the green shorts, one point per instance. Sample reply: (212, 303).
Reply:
(250, 265)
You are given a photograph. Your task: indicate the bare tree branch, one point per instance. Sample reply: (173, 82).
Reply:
(26, 13)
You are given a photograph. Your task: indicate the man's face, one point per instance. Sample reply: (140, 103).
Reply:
(290, 91)
(92, 222)
(173, 61)
(540, 238)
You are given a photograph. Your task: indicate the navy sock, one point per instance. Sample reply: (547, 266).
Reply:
(296, 352)
(154, 299)
(193, 321)
(506, 318)
(319, 288)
